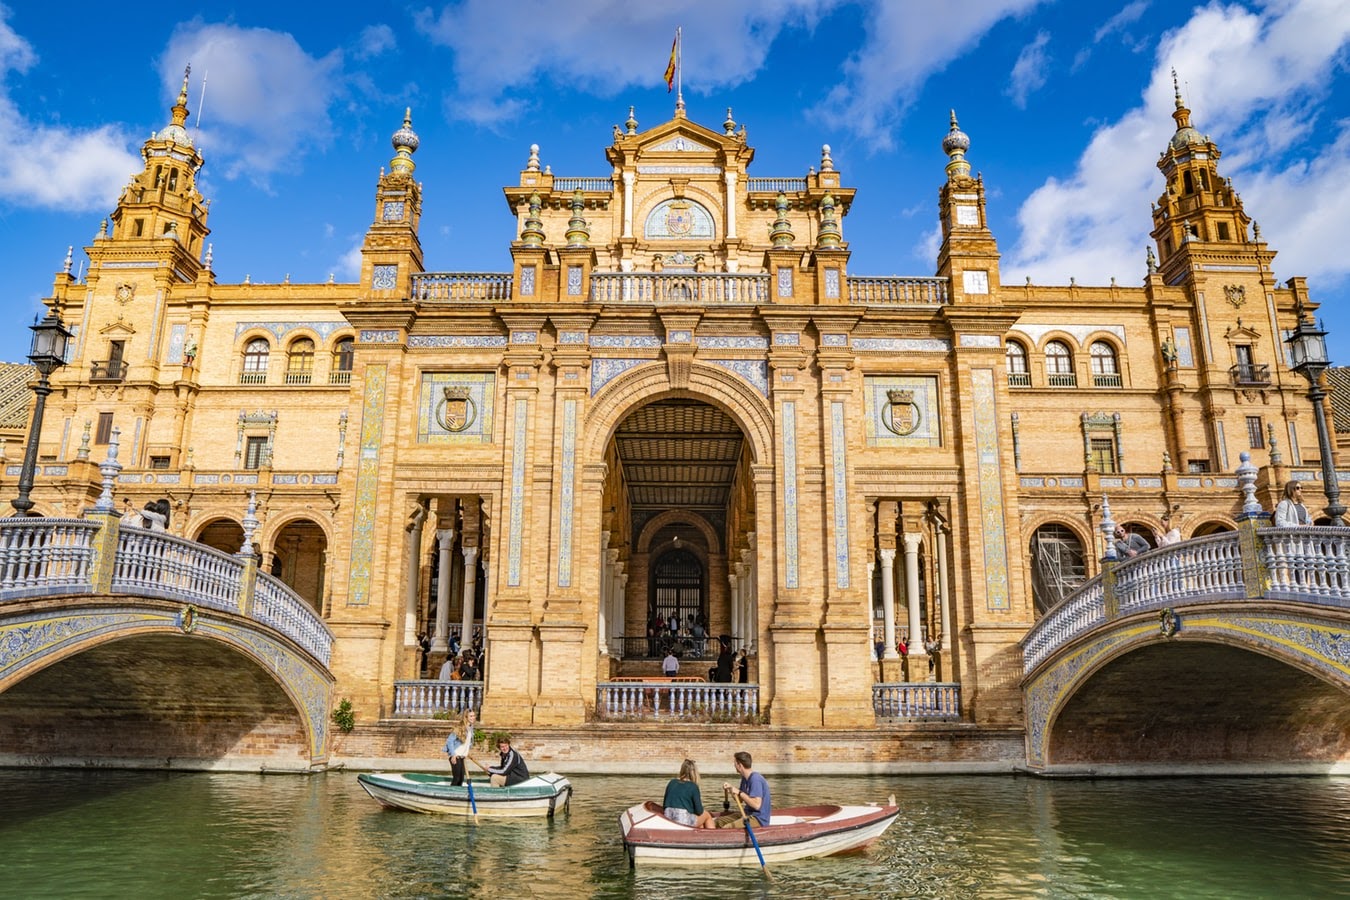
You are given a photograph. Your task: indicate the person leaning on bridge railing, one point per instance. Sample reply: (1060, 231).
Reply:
(1290, 512)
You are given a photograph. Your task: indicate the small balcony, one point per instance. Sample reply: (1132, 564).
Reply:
(1107, 380)
(341, 376)
(1061, 379)
(300, 377)
(1249, 375)
(1019, 379)
(253, 378)
(106, 370)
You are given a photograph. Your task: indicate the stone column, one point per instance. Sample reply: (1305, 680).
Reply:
(440, 642)
(628, 179)
(888, 602)
(871, 611)
(733, 598)
(470, 587)
(620, 612)
(605, 606)
(615, 596)
(731, 204)
(752, 593)
(918, 656)
(414, 543)
(620, 585)
(944, 601)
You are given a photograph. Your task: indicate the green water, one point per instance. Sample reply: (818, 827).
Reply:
(149, 835)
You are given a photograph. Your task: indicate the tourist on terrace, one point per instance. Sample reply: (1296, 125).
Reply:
(683, 803)
(511, 770)
(1291, 512)
(752, 792)
(459, 744)
(1172, 535)
(1129, 544)
(670, 666)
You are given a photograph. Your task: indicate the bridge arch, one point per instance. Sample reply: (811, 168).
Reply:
(156, 681)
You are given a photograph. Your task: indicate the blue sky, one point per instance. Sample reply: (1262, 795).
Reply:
(1067, 105)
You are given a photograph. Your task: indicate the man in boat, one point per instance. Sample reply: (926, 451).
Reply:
(512, 768)
(752, 792)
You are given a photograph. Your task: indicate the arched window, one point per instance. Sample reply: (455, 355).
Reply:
(1059, 365)
(1057, 566)
(300, 362)
(1105, 372)
(343, 352)
(256, 353)
(1018, 373)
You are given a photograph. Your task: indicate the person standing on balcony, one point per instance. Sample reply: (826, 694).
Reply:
(1129, 544)
(1291, 512)
(1172, 535)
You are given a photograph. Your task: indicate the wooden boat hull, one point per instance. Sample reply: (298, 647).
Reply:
(420, 792)
(801, 832)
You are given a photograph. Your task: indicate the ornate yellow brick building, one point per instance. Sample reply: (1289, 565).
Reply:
(679, 403)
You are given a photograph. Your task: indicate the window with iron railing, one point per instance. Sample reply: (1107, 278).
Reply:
(343, 353)
(1105, 372)
(256, 355)
(1059, 365)
(1018, 372)
(300, 362)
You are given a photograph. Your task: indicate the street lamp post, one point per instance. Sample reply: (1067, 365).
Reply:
(1308, 347)
(47, 354)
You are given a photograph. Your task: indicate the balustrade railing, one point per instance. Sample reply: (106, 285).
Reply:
(39, 555)
(690, 701)
(425, 698)
(776, 185)
(461, 286)
(1308, 564)
(682, 288)
(567, 184)
(917, 700)
(278, 607)
(919, 291)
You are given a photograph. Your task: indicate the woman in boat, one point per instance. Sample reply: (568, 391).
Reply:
(459, 744)
(683, 803)
(512, 768)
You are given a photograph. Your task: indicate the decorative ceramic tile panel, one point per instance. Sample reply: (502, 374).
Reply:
(604, 371)
(679, 219)
(370, 336)
(834, 340)
(572, 337)
(901, 411)
(1185, 359)
(784, 281)
(991, 490)
(755, 371)
(516, 528)
(569, 463)
(177, 338)
(456, 407)
(680, 337)
(626, 341)
(524, 337)
(527, 281)
(990, 341)
(733, 342)
(383, 278)
(787, 339)
(832, 283)
(838, 443)
(790, 494)
(367, 485)
(279, 330)
(1079, 333)
(902, 345)
(447, 341)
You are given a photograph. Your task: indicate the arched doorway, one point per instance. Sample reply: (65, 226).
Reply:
(678, 593)
(224, 535)
(299, 556)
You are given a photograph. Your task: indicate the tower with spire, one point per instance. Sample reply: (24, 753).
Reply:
(392, 251)
(969, 254)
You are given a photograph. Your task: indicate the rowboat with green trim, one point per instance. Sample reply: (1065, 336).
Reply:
(422, 792)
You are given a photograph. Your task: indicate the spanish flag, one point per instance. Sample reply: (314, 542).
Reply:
(670, 66)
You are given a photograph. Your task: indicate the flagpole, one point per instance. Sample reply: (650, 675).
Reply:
(679, 67)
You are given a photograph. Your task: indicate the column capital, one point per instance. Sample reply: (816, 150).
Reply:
(470, 554)
(445, 536)
(913, 540)
(887, 555)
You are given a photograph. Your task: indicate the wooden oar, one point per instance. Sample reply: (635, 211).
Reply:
(473, 804)
(754, 841)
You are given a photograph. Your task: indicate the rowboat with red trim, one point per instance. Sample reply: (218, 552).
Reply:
(799, 832)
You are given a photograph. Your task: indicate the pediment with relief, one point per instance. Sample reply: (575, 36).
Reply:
(1241, 333)
(120, 327)
(679, 144)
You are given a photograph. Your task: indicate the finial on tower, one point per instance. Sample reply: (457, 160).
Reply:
(405, 143)
(729, 126)
(955, 145)
(826, 163)
(532, 164)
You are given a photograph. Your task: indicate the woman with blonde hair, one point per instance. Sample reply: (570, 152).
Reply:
(460, 743)
(683, 803)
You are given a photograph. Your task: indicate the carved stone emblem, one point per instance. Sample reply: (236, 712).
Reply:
(457, 411)
(1235, 294)
(901, 415)
(125, 292)
(679, 218)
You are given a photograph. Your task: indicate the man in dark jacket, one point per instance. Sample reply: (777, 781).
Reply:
(512, 768)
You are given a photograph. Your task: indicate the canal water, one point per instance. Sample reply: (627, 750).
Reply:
(112, 834)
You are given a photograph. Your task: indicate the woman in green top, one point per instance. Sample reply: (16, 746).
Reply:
(683, 803)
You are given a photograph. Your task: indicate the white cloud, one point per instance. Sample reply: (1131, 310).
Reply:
(266, 99)
(905, 44)
(374, 41)
(1028, 73)
(602, 46)
(1128, 15)
(93, 164)
(1250, 75)
(348, 265)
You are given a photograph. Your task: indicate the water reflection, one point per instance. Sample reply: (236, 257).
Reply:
(150, 835)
